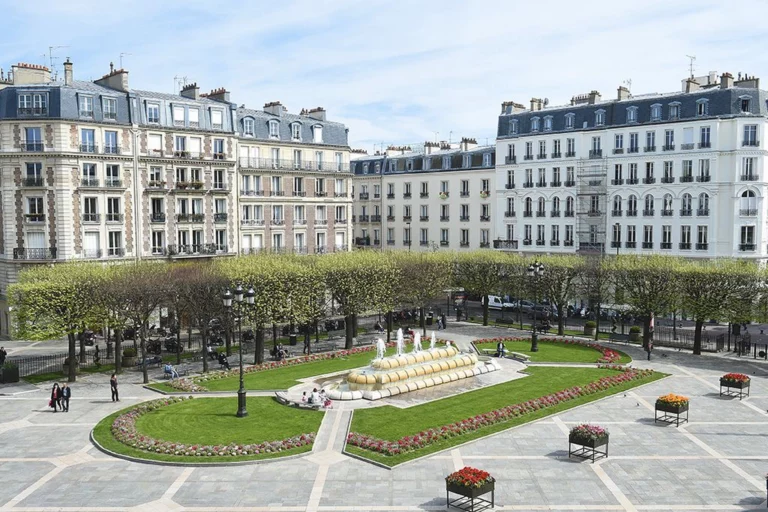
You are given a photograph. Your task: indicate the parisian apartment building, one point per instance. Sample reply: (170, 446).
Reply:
(679, 173)
(434, 196)
(96, 170)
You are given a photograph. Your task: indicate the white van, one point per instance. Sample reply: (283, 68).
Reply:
(495, 302)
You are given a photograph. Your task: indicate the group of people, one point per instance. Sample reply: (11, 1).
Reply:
(60, 396)
(317, 397)
(280, 352)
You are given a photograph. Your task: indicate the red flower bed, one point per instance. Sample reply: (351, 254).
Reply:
(736, 377)
(434, 435)
(609, 356)
(469, 477)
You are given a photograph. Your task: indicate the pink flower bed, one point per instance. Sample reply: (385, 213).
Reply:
(434, 435)
(124, 430)
(609, 356)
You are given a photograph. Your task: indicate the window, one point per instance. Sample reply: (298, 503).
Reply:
(750, 135)
(528, 236)
(570, 147)
(618, 141)
(555, 148)
(704, 170)
(703, 203)
(650, 141)
(745, 105)
(34, 175)
(464, 237)
(338, 159)
(528, 150)
(218, 179)
(534, 124)
(109, 108)
(685, 237)
(704, 137)
(634, 142)
(668, 168)
(555, 235)
(513, 126)
(547, 123)
(632, 115)
(110, 143)
(669, 139)
(748, 203)
(180, 144)
(569, 234)
(528, 207)
(596, 145)
(113, 209)
(702, 107)
(747, 238)
(218, 149)
(34, 139)
(666, 237)
(277, 241)
(702, 238)
(178, 116)
(194, 117)
(541, 207)
(540, 236)
(631, 236)
(86, 106)
(248, 127)
(655, 112)
(667, 202)
(153, 113)
(113, 175)
(687, 171)
(617, 174)
(632, 205)
(617, 206)
(569, 206)
(217, 117)
(274, 129)
(674, 110)
(569, 121)
(115, 241)
(599, 117)
(632, 174)
(748, 169)
(649, 204)
(35, 211)
(33, 104)
(486, 159)
(617, 233)
(87, 141)
(296, 131)
(158, 242)
(686, 203)
(647, 237)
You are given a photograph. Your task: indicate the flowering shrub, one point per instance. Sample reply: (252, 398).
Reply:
(588, 432)
(124, 430)
(673, 400)
(434, 435)
(735, 377)
(469, 477)
(609, 356)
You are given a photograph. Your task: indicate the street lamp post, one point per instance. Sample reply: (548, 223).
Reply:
(410, 238)
(227, 301)
(535, 272)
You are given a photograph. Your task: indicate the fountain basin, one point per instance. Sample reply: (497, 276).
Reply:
(382, 379)
(414, 358)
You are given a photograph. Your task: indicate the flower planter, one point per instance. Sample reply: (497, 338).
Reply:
(589, 331)
(741, 385)
(129, 361)
(671, 413)
(9, 375)
(65, 368)
(470, 500)
(635, 336)
(589, 447)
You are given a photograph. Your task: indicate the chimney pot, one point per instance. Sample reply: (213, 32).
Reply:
(68, 78)
(726, 81)
(623, 93)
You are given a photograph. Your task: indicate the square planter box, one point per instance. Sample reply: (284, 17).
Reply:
(590, 448)
(9, 375)
(671, 413)
(734, 384)
(471, 500)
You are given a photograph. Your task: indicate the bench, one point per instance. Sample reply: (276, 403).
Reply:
(523, 358)
(544, 328)
(154, 361)
(488, 351)
(282, 397)
(332, 335)
(182, 371)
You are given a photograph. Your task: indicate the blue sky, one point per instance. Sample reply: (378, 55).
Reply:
(395, 72)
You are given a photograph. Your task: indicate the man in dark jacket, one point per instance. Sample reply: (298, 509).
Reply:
(3, 355)
(66, 393)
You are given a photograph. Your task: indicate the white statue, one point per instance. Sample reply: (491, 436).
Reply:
(417, 342)
(400, 342)
(381, 348)
(433, 341)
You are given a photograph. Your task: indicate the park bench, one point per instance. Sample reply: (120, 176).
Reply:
(183, 371)
(282, 397)
(488, 351)
(334, 335)
(150, 362)
(523, 358)
(543, 327)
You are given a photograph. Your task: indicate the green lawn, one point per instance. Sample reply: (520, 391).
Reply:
(555, 352)
(212, 421)
(59, 376)
(391, 423)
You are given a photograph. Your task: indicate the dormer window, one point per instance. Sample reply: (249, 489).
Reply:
(570, 121)
(365, 168)
(467, 161)
(487, 158)
(674, 110)
(702, 107)
(33, 104)
(274, 130)
(295, 131)
(745, 102)
(599, 117)
(249, 127)
(548, 123)
(409, 165)
(513, 127)
(153, 113)
(194, 117)
(317, 134)
(217, 119)
(535, 124)
(86, 106)
(446, 162)
(377, 168)
(632, 114)
(656, 112)
(178, 116)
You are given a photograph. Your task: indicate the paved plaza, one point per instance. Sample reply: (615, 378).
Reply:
(718, 461)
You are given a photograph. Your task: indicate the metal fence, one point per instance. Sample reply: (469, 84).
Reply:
(683, 339)
(745, 347)
(35, 365)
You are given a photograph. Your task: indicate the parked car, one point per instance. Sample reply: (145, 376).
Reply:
(525, 306)
(541, 310)
(496, 302)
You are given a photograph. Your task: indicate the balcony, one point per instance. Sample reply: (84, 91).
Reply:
(557, 154)
(616, 213)
(157, 217)
(190, 217)
(364, 218)
(631, 213)
(541, 242)
(92, 253)
(647, 245)
(749, 177)
(277, 193)
(686, 212)
(505, 244)
(702, 212)
(509, 213)
(407, 195)
(702, 246)
(376, 242)
(630, 245)
(321, 222)
(32, 182)
(595, 153)
(689, 145)
(528, 184)
(747, 247)
(424, 243)
(570, 183)
(649, 180)
(509, 186)
(364, 195)
(554, 243)
(406, 218)
(554, 213)
(464, 243)
(113, 183)
(464, 218)
(649, 149)
(617, 182)
(219, 186)
(750, 143)
(116, 252)
(686, 178)
(528, 157)
(299, 193)
(219, 217)
(618, 151)
(261, 222)
(33, 147)
(666, 245)
(444, 218)
(594, 212)
(510, 159)
(34, 111)
(114, 217)
(541, 156)
(375, 196)
(34, 218)
(338, 194)
(633, 149)
(570, 154)
(485, 218)
(616, 244)
(362, 241)
(443, 243)
(89, 182)
(555, 183)
(269, 163)
(541, 183)
(407, 243)
(112, 150)
(89, 148)
(666, 213)
(685, 246)
(444, 194)
(703, 178)
(540, 213)
(158, 185)
(390, 218)
(527, 241)
(632, 181)
(668, 147)
(34, 254)
(568, 213)
(424, 195)
(375, 218)
(277, 222)
(464, 193)
(748, 212)
(91, 217)
(668, 179)
(568, 243)
(341, 221)
(648, 212)
(527, 213)
(705, 145)
(590, 247)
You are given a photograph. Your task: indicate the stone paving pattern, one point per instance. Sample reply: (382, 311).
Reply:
(716, 462)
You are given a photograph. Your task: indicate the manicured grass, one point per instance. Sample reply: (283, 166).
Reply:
(58, 376)
(391, 423)
(286, 377)
(208, 421)
(555, 352)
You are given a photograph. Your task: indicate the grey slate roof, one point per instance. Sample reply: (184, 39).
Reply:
(418, 161)
(334, 133)
(720, 103)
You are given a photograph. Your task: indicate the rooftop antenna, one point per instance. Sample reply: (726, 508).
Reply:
(450, 135)
(628, 83)
(179, 82)
(121, 58)
(436, 135)
(51, 59)
(691, 59)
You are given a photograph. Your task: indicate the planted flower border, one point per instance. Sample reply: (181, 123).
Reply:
(468, 425)
(609, 356)
(737, 381)
(124, 430)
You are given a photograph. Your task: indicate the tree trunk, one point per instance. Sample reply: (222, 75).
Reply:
(485, 309)
(597, 322)
(189, 336)
(258, 357)
(204, 344)
(646, 331)
(354, 326)
(317, 330)
(82, 346)
(274, 335)
(144, 355)
(561, 320)
(72, 376)
(178, 346)
(389, 326)
(307, 339)
(422, 322)
(350, 331)
(697, 337)
(118, 351)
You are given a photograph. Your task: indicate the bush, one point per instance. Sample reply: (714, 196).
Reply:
(634, 330)
(66, 362)
(9, 365)
(590, 325)
(129, 352)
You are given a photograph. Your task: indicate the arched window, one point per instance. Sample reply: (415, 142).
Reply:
(748, 203)
(541, 204)
(569, 204)
(317, 134)
(528, 205)
(534, 124)
(649, 204)
(667, 202)
(274, 129)
(556, 205)
(617, 205)
(295, 131)
(632, 203)
(687, 202)
(703, 203)
(248, 126)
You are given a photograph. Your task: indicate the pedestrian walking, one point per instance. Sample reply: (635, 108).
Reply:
(113, 386)
(66, 393)
(439, 323)
(649, 348)
(55, 396)
(3, 355)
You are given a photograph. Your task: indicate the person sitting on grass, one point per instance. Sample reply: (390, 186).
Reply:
(223, 360)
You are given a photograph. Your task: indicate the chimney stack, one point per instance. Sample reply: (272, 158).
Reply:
(510, 107)
(623, 93)
(468, 143)
(691, 85)
(24, 74)
(116, 79)
(220, 94)
(594, 97)
(536, 104)
(317, 113)
(68, 77)
(191, 91)
(274, 107)
(726, 81)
